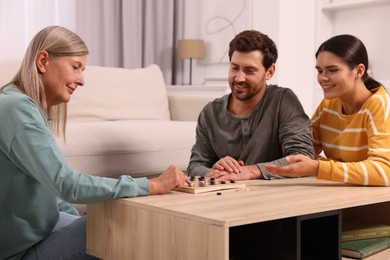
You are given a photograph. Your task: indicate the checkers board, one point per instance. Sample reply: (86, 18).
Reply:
(202, 184)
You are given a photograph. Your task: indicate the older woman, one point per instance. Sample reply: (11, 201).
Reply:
(36, 183)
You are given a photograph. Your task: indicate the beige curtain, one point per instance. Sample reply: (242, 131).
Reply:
(132, 33)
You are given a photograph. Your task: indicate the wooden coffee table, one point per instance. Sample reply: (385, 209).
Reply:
(288, 218)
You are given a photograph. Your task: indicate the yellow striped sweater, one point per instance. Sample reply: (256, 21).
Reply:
(357, 147)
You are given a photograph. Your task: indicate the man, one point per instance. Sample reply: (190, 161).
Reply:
(255, 124)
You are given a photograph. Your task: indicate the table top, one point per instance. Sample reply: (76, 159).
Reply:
(264, 200)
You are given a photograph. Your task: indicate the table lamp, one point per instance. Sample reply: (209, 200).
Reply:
(191, 49)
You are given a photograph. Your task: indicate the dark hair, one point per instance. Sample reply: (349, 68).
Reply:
(252, 40)
(353, 52)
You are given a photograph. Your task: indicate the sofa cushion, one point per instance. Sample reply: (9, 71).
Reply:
(112, 93)
(120, 94)
(135, 147)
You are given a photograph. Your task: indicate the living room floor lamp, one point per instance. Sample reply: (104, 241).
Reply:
(191, 49)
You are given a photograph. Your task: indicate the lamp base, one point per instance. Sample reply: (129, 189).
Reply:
(190, 71)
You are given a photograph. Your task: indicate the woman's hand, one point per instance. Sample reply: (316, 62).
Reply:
(171, 178)
(300, 166)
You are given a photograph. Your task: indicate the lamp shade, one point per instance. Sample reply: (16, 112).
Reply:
(191, 49)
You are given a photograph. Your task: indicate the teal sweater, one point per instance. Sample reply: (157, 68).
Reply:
(34, 176)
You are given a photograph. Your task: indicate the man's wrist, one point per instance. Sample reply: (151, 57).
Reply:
(255, 172)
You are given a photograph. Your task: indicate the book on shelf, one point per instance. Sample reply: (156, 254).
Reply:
(362, 248)
(354, 229)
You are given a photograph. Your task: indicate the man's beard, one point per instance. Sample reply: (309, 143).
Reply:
(242, 96)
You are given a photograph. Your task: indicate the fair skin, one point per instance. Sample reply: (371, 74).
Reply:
(337, 81)
(171, 178)
(247, 80)
(61, 76)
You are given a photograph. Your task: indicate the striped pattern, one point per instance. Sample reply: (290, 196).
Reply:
(357, 147)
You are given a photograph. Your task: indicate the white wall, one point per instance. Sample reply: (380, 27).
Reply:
(297, 27)
(291, 24)
(296, 44)
(368, 20)
(20, 20)
(373, 31)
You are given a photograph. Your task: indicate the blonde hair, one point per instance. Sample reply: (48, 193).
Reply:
(57, 41)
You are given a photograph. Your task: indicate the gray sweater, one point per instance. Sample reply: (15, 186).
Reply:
(277, 127)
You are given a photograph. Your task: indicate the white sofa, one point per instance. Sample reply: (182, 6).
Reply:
(124, 121)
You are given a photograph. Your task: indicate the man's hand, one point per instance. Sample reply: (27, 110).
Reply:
(171, 178)
(247, 173)
(228, 164)
(301, 166)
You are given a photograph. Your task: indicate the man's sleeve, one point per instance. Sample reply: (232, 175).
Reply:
(295, 134)
(202, 154)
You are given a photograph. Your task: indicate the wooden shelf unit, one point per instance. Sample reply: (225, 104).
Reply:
(350, 4)
(366, 19)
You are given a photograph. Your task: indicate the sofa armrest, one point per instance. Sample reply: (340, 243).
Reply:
(186, 102)
(186, 107)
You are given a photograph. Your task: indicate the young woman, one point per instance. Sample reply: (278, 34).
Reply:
(35, 180)
(351, 126)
